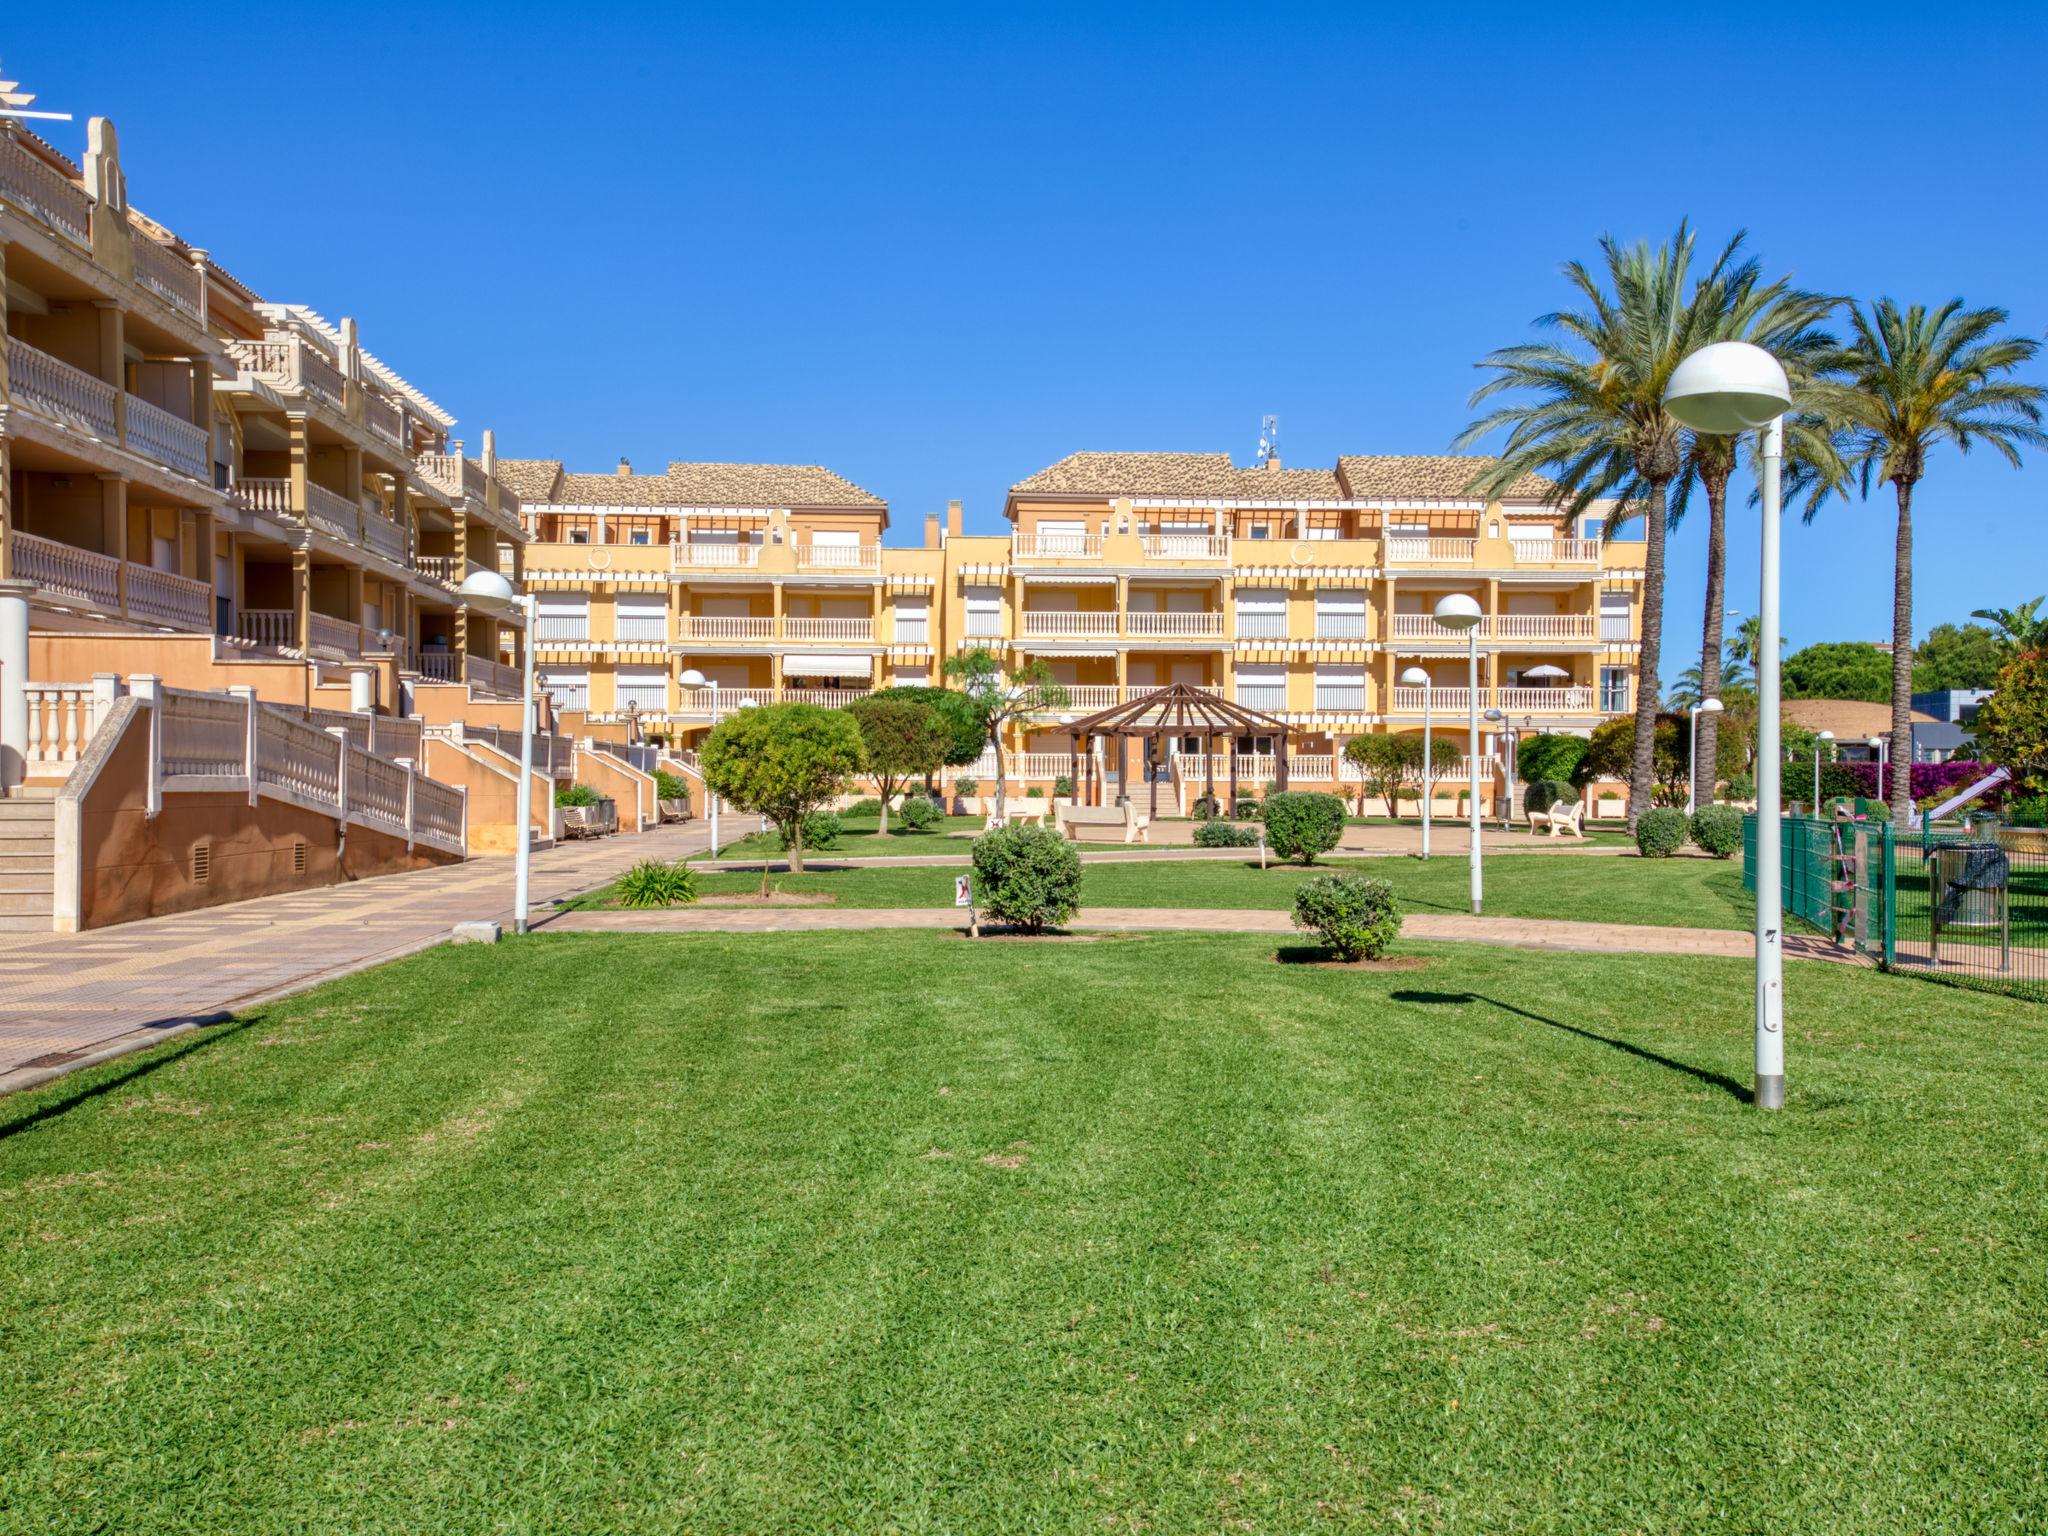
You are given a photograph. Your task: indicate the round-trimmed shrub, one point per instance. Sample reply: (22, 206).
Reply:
(1224, 834)
(1027, 876)
(1542, 794)
(657, 883)
(1718, 830)
(1550, 757)
(821, 830)
(1247, 808)
(1356, 916)
(1660, 832)
(918, 814)
(1063, 787)
(1301, 824)
(1206, 807)
(868, 807)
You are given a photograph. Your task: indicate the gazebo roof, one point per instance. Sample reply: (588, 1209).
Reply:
(1179, 709)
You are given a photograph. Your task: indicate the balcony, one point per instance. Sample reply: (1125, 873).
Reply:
(714, 557)
(1540, 701)
(384, 419)
(452, 474)
(1055, 546)
(839, 557)
(384, 538)
(276, 628)
(828, 629)
(55, 389)
(159, 269)
(1186, 546)
(39, 189)
(331, 513)
(86, 576)
(830, 698)
(291, 364)
(170, 440)
(332, 634)
(1043, 623)
(1556, 551)
(1174, 626)
(696, 626)
(447, 569)
(1405, 549)
(1502, 626)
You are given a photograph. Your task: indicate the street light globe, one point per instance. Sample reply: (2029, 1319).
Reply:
(1707, 707)
(1457, 611)
(749, 703)
(1415, 677)
(486, 589)
(1727, 387)
(691, 678)
(1875, 741)
(1825, 736)
(1492, 714)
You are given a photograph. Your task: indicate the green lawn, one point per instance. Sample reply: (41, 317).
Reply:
(894, 1232)
(1681, 893)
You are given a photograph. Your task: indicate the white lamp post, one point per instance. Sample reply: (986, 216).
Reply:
(1725, 388)
(491, 592)
(693, 680)
(1457, 611)
(1415, 677)
(1881, 746)
(1824, 736)
(1692, 753)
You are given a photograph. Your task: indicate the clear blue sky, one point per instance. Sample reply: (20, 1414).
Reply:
(937, 251)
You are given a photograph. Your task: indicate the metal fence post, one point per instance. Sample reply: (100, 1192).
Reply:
(1890, 890)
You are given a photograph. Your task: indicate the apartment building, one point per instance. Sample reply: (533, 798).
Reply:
(1304, 594)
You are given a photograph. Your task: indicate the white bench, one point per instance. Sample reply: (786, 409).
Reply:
(1561, 820)
(1018, 810)
(1126, 818)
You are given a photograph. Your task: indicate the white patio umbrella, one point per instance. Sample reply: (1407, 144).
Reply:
(1545, 671)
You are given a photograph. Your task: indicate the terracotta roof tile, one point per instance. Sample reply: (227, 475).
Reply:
(530, 479)
(768, 485)
(1427, 477)
(1209, 476)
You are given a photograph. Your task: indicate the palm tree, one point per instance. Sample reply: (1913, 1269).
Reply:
(1786, 322)
(1732, 685)
(1591, 413)
(1908, 381)
(2022, 629)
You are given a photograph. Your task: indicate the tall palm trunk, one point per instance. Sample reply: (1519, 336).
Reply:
(1642, 769)
(1901, 796)
(1703, 767)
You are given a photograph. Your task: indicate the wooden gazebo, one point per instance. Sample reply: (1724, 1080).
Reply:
(1176, 710)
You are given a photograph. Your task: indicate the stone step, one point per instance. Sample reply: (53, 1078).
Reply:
(24, 922)
(26, 857)
(28, 810)
(27, 903)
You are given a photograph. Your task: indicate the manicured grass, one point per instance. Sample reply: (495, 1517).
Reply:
(1672, 893)
(894, 1232)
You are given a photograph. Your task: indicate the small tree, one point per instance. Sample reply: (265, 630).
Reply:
(783, 761)
(963, 725)
(904, 739)
(1547, 756)
(1301, 824)
(1027, 876)
(2012, 725)
(1610, 751)
(1384, 762)
(998, 698)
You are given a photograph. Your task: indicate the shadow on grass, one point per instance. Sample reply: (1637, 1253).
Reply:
(226, 1026)
(1738, 1091)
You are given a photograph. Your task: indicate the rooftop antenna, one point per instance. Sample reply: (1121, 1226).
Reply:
(15, 103)
(1269, 438)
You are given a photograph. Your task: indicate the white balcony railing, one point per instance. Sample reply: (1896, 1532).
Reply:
(81, 574)
(494, 678)
(438, 666)
(1055, 546)
(52, 197)
(156, 434)
(1406, 549)
(164, 597)
(331, 513)
(334, 634)
(838, 557)
(54, 388)
(290, 364)
(1545, 701)
(830, 698)
(714, 557)
(1174, 626)
(383, 418)
(828, 629)
(274, 627)
(1093, 696)
(1501, 626)
(722, 701)
(165, 274)
(446, 568)
(1041, 622)
(1186, 546)
(270, 496)
(384, 537)
(704, 626)
(1556, 551)
(452, 473)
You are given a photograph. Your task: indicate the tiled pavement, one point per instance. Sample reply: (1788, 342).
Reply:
(1515, 932)
(68, 999)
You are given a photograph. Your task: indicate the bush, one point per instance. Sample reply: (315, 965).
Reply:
(1356, 916)
(1033, 792)
(868, 807)
(669, 786)
(919, 814)
(2028, 811)
(1247, 809)
(1549, 758)
(1742, 787)
(1542, 794)
(1206, 808)
(1063, 787)
(966, 788)
(1027, 876)
(575, 794)
(1718, 830)
(657, 883)
(1223, 834)
(821, 830)
(1660, 832)
(1301, 824)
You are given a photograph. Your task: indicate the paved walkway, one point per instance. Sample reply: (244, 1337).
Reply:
(67, 1000)
(1515, 932)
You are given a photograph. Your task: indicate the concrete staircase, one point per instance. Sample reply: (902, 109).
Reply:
(28, 846)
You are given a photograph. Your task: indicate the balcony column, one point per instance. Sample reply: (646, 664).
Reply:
(114, 532)
(1123, 605)
(14, 600)
(298, 431)
(302, 599)
(1492, 629)
(113, 363)
(354, 599)
(775, 616)
(352, 484)
(6, 455)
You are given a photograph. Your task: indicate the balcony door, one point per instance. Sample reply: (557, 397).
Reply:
(1261, 616)
(1617, 610)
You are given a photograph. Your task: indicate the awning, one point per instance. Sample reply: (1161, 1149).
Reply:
(820, 665)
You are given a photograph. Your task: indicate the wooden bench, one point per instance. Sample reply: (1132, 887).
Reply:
(1560, 820)
(672, 810)
(1126, 818)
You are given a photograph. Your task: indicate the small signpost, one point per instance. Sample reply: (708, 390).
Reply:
(963, 896)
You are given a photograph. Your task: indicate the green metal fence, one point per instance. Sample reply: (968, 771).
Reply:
(1838, 878)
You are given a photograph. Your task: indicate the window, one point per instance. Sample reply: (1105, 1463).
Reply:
(1262, 687)
(984, 613)
(579, 536)
(1062, 538)
(1617, 613)
(639, 536)
(1340, 616)
(570, 688)
(1261, 616)
(643, 688)
(912, 616)
(1261, 531)
(1340, 688)
(1614, 690)
(563, 616)
(642, 616)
